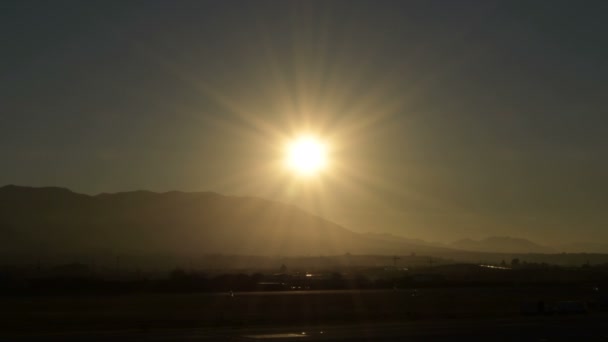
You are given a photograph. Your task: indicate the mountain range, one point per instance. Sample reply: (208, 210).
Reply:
(57, 220)
(52, 220)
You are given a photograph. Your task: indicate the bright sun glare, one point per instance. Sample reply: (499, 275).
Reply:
(306, 155)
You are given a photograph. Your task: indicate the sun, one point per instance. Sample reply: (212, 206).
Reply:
(306, 155)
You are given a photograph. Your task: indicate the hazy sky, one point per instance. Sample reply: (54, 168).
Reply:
(447, 119)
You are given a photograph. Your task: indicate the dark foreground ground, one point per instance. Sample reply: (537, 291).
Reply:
(465, 314)
(478, 329)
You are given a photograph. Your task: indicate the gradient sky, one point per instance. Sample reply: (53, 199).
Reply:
(447, 119)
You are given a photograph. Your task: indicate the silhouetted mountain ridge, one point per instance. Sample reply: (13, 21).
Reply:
(53, 220)
(59, 220)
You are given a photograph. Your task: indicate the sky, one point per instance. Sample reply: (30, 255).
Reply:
(445, 119)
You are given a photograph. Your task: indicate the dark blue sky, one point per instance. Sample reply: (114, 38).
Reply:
(449, 118)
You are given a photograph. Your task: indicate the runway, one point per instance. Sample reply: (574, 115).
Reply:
(552, 328)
